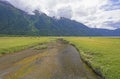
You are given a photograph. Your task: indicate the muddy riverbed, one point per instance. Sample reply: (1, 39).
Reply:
(55, 60)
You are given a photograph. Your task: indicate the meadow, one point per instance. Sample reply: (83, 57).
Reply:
(14, 44)
(102, 54)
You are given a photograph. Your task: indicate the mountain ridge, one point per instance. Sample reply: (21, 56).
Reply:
(14, 21)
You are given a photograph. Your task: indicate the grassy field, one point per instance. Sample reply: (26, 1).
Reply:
(13, 44)
(102, 53)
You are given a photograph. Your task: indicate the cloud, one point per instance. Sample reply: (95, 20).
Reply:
(96, 13)
(65, 12)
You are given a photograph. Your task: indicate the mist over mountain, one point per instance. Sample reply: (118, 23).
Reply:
(14, 21)
(95, 14)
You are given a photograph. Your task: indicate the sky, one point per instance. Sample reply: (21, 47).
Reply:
(93, 13)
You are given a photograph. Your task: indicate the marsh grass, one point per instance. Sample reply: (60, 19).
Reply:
(103, 54)
(39, 47)
(14, 44)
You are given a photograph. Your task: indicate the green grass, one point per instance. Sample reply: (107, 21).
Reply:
(14, 44)
(102, 53)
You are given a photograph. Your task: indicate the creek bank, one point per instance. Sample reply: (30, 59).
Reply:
(87, 64)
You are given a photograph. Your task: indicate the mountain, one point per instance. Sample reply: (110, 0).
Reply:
(104, 32)
(14, 21)
(116, 32)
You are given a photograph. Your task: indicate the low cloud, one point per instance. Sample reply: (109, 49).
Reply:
(96, 13)
(65, 12)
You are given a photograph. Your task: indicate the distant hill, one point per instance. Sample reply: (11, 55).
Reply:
(17, 22)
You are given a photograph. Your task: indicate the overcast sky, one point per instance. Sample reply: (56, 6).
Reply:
(93, 13)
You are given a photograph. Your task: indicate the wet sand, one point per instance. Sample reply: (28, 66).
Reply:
(57, 61)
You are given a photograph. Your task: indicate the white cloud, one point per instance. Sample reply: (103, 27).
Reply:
(94, 13)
